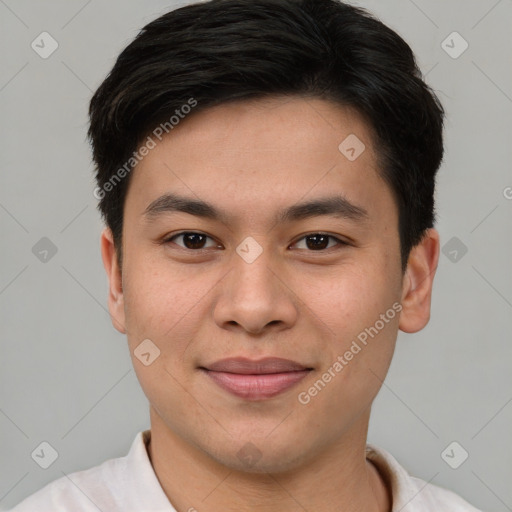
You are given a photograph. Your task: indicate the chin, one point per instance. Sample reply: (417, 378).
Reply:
(260, 456)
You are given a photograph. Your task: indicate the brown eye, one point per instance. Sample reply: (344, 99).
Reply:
(191, 240)
(319, 241)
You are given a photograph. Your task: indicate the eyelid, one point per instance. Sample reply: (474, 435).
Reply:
(169, 238)
(340, 241)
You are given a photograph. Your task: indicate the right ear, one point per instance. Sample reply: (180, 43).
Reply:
(115, 295)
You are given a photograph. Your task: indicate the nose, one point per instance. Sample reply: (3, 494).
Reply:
(256, 297)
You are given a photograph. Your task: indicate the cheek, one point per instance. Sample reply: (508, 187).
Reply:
(348, 299)
(360, 308)
(370, 333)
(147, 284)
(352, 374)
(165, 306)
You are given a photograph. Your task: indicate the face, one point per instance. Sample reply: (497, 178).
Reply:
(271, 323)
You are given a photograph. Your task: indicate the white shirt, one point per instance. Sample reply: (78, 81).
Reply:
(129, 484)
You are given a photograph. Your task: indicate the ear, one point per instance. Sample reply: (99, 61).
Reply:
(417, 283)
(115, 295)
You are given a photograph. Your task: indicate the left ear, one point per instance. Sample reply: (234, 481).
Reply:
(417, 283)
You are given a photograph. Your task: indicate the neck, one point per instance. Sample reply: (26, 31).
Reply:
(339, 479)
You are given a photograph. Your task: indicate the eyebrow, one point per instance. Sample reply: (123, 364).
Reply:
(335, 206)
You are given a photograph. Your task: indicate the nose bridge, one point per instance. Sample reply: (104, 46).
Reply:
(252, 276)
(252, 295)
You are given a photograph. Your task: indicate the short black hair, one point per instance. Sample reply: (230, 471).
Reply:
(218, 51)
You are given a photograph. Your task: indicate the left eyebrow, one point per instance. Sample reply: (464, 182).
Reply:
(336, 206)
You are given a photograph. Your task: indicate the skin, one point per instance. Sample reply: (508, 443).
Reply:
(251, 159)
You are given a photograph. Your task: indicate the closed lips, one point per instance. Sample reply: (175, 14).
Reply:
(255, 380)
(250, 367)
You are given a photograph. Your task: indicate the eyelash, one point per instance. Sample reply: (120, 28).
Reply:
(169, 239)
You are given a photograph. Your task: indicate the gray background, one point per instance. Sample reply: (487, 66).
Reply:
(65, 373)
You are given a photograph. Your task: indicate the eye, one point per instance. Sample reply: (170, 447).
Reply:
(191, 240)
(319, 241)
(195, 241)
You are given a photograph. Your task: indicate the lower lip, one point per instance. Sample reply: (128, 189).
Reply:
(256, 387)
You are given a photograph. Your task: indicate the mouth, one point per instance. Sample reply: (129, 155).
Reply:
(255, 380)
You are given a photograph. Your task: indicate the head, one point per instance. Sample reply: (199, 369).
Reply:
(298, 132)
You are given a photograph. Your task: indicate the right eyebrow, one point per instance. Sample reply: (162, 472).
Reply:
(169, 203)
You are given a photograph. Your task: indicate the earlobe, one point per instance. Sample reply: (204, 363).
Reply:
(115, 295)
(418, 282)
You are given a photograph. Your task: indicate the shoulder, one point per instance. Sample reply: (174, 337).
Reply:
(440, 499)
(82, 491)
(412, 494)
(89, 490)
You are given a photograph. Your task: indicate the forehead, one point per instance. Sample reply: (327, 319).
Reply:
(289, 125)
(262, 155)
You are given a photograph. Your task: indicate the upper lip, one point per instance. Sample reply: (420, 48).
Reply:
(242, 365)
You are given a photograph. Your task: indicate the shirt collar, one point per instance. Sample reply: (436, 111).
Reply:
(144, 491)
(405, 491)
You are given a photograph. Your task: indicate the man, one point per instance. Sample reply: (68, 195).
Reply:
(266, 171)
